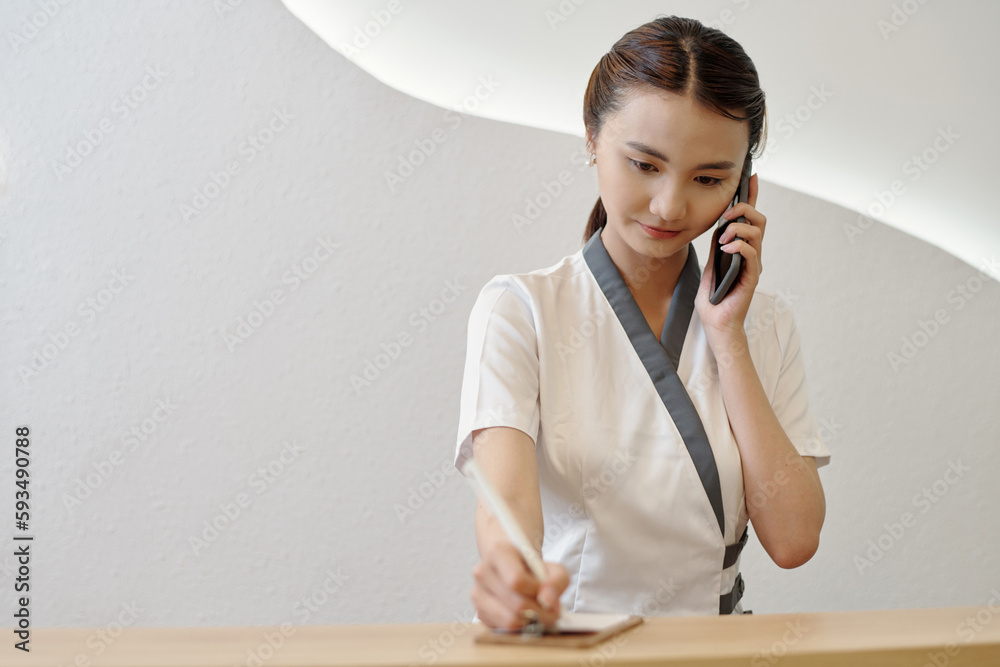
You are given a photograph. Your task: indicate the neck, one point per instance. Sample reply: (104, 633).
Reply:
(652, 278)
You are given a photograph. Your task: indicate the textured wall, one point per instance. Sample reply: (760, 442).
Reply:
(201, 246)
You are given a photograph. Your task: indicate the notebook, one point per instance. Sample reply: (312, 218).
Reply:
(571, 630)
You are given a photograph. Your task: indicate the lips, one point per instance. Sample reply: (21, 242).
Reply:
(656, 232)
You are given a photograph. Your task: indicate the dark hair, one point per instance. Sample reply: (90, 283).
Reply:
(682, 56)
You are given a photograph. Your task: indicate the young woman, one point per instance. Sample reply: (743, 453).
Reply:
(634, 427)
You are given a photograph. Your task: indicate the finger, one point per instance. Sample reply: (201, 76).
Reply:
(549, 592)
(546, 616)
(751, 230)
(746, 232)
(505, 605)
(557, 576)
(494, 613)
(491, 585)
(746, 250)
(751, 216)
(495, 587)
(706, 275)
(513, 572)
(508, 604)
(506, 576)
(555, 583)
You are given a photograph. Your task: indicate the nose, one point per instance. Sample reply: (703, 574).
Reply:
(668, 201)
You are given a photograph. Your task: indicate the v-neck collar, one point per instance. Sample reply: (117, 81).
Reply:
(662, 357)
(681, 307)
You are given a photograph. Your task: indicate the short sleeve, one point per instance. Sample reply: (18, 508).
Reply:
(500, 382)
(791, 395)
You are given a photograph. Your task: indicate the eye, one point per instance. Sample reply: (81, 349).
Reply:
(642, 166)
(710, 180)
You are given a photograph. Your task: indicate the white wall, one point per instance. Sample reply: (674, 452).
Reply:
(333, 505)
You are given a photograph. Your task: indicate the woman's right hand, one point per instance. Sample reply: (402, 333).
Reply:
(504, 587)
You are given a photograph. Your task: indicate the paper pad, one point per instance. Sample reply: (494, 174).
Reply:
(571, 630)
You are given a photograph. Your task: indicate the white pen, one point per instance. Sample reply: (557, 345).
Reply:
(495, 503)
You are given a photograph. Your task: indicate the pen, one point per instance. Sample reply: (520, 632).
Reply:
(495, 503)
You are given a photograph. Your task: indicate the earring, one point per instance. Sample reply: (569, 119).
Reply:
(591, 159)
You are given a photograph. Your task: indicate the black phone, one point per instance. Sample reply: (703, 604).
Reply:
(726, 267)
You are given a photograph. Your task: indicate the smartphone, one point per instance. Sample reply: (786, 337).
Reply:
(726, 267)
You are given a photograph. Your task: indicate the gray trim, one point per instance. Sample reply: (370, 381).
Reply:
(733, 550)
(728, 602)
(678, 319)
(660, 357)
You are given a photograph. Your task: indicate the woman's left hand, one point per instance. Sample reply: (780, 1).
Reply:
(725, 320)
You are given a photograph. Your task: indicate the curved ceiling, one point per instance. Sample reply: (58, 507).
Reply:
(885, 108)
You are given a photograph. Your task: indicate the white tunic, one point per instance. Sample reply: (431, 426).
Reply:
(564, 355)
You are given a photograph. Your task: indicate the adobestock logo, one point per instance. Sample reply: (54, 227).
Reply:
(420, 320)
(88, 309)
(122, 107)
(534, 206)
(898, 17)
(364, 35)
(30, 26)
(230, 512)
(104, 469)
(408, 162)
(264, 308)
(925, 500)
(927, 329)
(914, 167)
(253, 145)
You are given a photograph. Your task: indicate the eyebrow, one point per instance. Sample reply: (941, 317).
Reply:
(649, 150)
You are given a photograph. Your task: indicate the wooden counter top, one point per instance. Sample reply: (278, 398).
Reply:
(908, 637)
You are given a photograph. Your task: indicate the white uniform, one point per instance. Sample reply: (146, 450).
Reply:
(640, 475)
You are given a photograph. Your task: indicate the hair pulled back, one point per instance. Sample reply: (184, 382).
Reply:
(679, 55)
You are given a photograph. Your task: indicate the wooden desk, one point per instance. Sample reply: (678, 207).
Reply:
(911, 637)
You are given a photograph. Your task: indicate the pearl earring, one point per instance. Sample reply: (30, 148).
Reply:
(591, 159)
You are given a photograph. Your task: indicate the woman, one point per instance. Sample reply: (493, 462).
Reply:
(634, 427)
